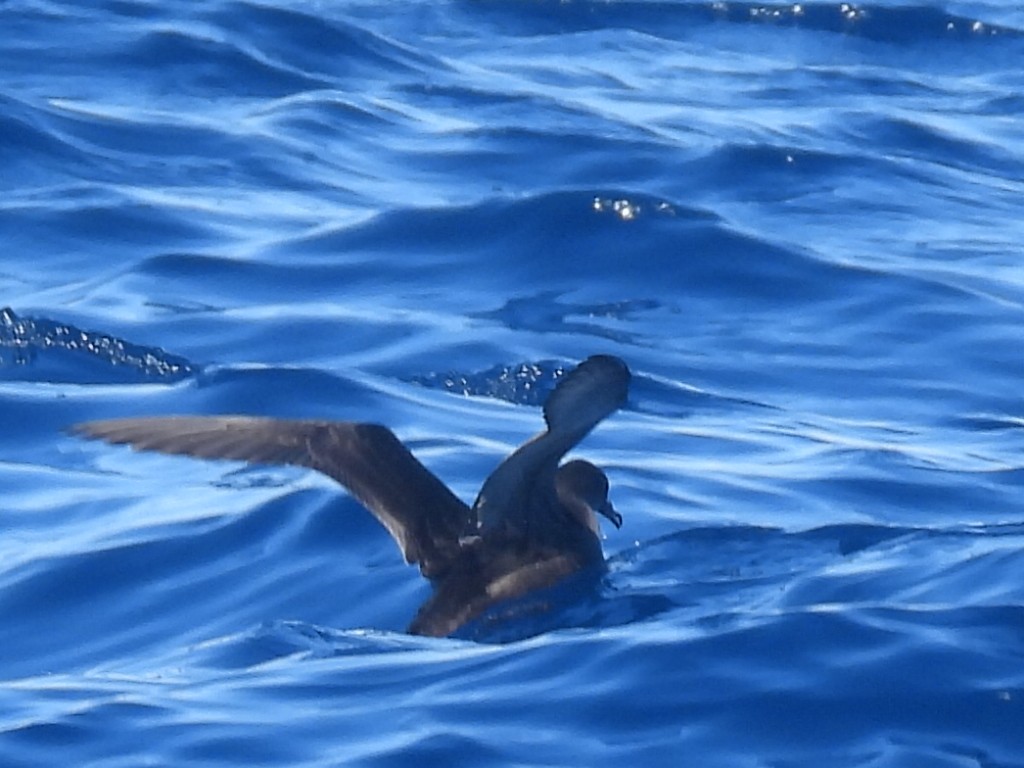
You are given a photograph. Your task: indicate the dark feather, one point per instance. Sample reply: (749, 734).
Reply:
(532, 525)
(419, 511)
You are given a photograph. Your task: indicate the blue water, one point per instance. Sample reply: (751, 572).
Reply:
(800, 225)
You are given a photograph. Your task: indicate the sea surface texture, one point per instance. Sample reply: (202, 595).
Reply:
(800, 225)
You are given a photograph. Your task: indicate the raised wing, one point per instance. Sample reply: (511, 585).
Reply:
(523, 485)
(589, 393)
(423, 516)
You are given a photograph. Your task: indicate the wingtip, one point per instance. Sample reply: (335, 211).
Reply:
(610, 361)
(613, 369)
(588, 393)
(89, 430)
(79, 429)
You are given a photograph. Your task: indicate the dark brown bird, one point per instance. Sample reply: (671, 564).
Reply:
(532, 524)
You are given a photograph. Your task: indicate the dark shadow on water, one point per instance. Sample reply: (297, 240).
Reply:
(39, 349)
(530, 383)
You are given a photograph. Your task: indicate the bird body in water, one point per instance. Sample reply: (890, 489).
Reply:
(533, 523)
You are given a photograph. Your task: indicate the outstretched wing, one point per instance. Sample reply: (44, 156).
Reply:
(423, 516)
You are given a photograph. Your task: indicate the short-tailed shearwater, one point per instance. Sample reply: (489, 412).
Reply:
(533, 522)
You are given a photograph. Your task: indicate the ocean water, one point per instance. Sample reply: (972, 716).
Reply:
(800, 225)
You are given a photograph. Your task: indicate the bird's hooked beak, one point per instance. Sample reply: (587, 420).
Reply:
(582, 490)
(608, 511)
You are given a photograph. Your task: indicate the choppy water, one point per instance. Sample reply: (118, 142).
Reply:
(799, 224)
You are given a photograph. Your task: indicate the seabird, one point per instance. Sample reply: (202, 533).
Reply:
(532, 524)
